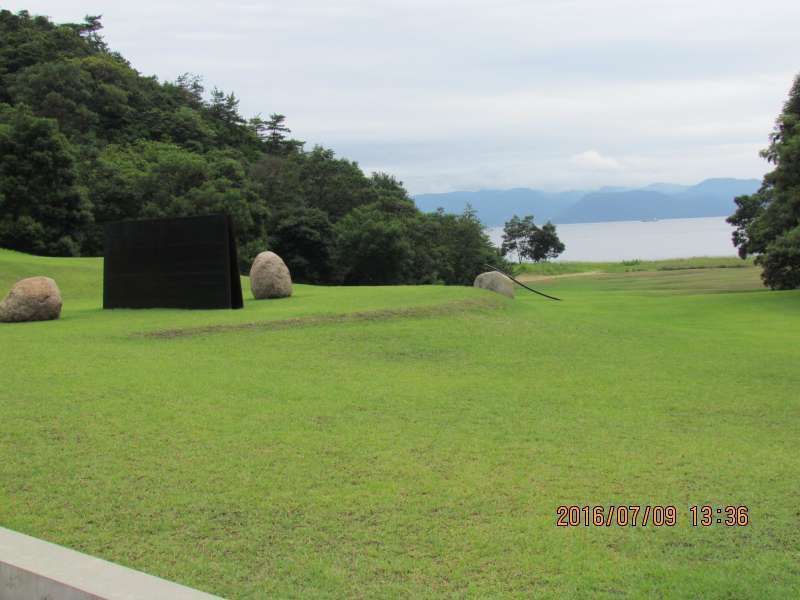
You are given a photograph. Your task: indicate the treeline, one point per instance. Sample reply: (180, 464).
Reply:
(85, 139)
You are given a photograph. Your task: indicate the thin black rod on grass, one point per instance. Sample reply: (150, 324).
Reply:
(522, 284)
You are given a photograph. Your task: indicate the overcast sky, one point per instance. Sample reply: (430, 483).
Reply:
(553, 94)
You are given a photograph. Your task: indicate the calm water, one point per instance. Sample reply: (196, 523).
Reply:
(646, 240)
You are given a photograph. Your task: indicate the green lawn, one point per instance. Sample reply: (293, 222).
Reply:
(627, 266)
(418, 448)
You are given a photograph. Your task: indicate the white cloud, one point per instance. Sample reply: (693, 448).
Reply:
(594, 161)
(450, 94)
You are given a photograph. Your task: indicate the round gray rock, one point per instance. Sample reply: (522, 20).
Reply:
(496, 282)
(269, 277)
(32, 299)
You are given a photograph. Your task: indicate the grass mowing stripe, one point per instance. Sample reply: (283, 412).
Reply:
(359, 316)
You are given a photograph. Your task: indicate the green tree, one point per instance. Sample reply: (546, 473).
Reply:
(89, 30)
(158, 179)
(60, 90)
(275, 135)
(517, 235)
(374, 246)
(191, 87)
(527, 240)
(767, 223)
(474, 249)
(544, 244)
(32, 40)
(303, 236)
(334, 185)
(42, 208)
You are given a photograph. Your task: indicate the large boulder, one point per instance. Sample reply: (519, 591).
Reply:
(269, 277)
(32, 299)
(496, 282)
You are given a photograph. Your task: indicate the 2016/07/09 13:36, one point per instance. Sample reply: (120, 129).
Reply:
(634, 515)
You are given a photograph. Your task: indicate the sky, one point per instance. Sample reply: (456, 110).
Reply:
(468, 95)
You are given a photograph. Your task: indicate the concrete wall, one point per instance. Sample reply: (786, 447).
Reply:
(32, 569)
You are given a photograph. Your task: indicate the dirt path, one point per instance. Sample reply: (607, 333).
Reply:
(528, 277)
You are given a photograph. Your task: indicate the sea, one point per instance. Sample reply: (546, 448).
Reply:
(644, 240)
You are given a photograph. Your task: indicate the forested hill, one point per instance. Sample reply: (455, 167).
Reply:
(709, 198)
(85, 139)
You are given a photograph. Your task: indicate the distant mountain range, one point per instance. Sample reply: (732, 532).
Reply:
(709, 198)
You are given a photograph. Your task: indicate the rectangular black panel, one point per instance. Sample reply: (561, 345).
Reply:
(188, 262)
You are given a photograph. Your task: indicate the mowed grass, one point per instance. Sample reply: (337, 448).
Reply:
(419, 449)
(627, 266)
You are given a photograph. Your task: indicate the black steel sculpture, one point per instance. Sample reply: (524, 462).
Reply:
(188, 262)
(493, 268)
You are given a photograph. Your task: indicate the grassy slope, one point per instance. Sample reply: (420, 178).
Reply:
(415, 455)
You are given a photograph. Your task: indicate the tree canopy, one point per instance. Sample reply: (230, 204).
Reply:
(85, 139)
(525, 239)
(768, 222)
(42, 207)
